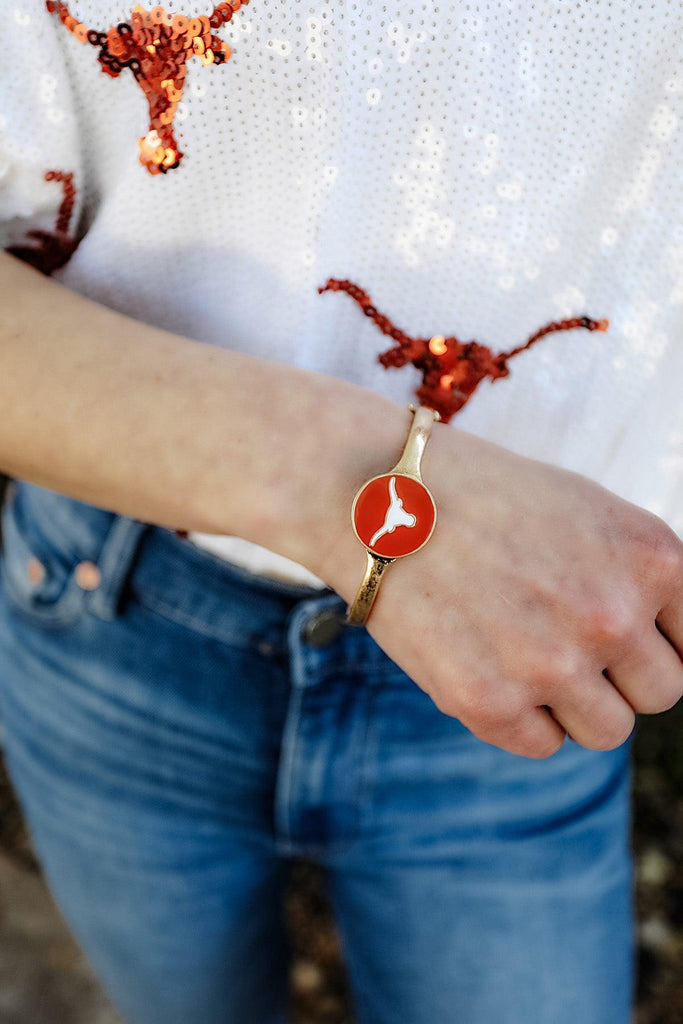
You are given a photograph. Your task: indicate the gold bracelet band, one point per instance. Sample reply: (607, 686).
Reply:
(393, 515)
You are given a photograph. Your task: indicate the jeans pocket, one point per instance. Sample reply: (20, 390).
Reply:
(38, 581)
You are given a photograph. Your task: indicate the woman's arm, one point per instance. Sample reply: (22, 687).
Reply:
(178, 432)
(537, 580)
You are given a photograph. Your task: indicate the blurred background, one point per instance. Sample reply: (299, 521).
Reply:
(44, 978)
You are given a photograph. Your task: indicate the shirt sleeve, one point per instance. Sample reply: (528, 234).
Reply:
(40, 151)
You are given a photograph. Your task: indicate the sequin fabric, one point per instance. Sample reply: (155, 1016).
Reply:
(451, 369)
(481, 169)
(155, 46)
(53, 248)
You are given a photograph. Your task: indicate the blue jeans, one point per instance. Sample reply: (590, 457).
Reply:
(179, 732)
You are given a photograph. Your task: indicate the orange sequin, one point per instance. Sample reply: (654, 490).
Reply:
(451, 369)
(156, 46)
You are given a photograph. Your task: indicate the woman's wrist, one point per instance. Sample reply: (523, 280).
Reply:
(318, 441)
(183, 434)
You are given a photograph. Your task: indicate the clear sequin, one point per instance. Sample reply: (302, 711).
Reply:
(282, 47)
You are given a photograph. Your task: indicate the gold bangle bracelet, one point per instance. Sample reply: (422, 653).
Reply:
(393, 515)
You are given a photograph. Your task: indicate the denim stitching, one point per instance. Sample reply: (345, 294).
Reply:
(173, 614)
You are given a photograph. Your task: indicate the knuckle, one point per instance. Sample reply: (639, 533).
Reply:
(560, 666)
(487, 705)
(665, 551)
(495, 711)
(594, 711)
(491, 717)
(611, 734)
(448, 698)
(655, 700)
(469, 695)
(446, 704)
(612, 623)
(546, 747)
(519, 734)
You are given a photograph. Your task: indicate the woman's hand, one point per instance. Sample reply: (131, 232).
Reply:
(543, 604)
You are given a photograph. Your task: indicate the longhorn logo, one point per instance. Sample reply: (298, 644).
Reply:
(156, 46)
(396, 515)
(451, 369)
(378, 502)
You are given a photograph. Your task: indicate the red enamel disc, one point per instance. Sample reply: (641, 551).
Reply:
(393, 515)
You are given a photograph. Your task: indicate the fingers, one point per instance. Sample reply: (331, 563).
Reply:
(649, 675)
(600, 712)
(566, 693)
(669, 620)
(535, 733)
(594, 713)
(670, 623)
(500, 711)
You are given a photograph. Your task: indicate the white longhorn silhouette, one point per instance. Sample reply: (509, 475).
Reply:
(396, 515)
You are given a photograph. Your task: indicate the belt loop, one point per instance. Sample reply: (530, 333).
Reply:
(115, 561)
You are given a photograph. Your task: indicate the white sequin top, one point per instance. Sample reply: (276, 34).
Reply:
(480, 169)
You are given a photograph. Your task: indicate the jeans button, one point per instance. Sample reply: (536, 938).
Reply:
(88, 575)
(35, 570)
(322, 628)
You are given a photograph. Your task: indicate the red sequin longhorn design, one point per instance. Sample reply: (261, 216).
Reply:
(451, 369)
(54, 248)
(156, 46)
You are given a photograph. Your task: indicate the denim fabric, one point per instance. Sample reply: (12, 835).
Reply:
(176, 737)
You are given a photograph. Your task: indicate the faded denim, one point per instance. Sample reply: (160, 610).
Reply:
(175, 738)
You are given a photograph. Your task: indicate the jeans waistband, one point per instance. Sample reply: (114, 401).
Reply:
(188, 584)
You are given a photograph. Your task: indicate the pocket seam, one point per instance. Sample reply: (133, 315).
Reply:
(62, 611)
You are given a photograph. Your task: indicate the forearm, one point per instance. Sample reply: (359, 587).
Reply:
(177, 432)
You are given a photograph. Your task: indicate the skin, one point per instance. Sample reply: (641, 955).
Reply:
(543, 605)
